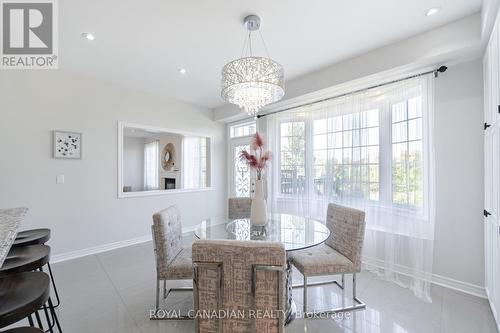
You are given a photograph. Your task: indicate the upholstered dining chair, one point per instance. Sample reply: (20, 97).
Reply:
(340, 254)
(173, 261)
(239, 208)
(241, 278)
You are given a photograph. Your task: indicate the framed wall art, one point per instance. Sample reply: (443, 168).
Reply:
(67, 145)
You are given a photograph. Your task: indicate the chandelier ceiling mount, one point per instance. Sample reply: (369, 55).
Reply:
(251, 82)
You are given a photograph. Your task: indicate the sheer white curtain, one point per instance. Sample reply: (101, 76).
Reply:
(191, 162)
(373, 151)
(151, 165)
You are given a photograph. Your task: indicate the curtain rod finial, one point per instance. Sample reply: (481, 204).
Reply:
(441, 69)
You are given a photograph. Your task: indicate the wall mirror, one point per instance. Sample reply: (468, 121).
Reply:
(155, 161)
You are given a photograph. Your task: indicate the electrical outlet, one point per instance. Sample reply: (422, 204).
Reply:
(60, 179)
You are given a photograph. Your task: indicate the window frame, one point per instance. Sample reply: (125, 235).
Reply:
(241, 123)
(292, 119)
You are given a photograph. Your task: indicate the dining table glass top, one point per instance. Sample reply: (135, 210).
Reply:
(294, 232)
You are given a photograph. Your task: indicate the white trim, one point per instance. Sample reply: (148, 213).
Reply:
(489, 17)
(465, 287)
(436, 279)
(107, 247)
(493, 310)
(121, 194)
(98, 249)
(162, 192)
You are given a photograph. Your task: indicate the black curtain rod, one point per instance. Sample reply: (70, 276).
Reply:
(436, 72)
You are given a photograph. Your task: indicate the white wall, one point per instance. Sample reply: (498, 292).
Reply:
(458, 247)
(133, 163)
(85, 211)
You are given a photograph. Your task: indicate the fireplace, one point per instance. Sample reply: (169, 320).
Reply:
(169, 183)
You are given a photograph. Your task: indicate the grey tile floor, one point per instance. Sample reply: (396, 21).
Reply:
(112, 292)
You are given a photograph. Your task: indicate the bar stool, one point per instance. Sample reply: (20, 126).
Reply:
(32, 237)
(22, 295)
(26, 259)
(37, 237)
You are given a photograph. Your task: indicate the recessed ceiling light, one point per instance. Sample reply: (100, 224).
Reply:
(88, 35)
(182, 71)
(433, 11)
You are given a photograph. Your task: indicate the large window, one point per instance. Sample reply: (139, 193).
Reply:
(194, 158)
(407, 171)
(151, 163)
(243, 129)
(346, 150)
(372, 151)
(292, 153)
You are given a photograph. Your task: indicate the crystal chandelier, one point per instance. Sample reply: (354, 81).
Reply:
(252, 82)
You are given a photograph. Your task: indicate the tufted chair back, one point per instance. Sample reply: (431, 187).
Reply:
(239, 208)
(167, 236)
(347, 231)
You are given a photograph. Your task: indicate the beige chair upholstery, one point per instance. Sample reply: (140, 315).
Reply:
(239, 208)
(225, 269)
(340, 254)
(173, 262)
(321, 260)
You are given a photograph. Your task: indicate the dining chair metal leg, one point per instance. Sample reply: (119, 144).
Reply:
(357, 303)
(157, 294)
(354, 286)
(319, 283)
(305, 294)
(166, 293)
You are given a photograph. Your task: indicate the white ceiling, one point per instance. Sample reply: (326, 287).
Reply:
(144, 43)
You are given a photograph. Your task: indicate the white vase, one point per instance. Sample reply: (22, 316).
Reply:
(258, 211)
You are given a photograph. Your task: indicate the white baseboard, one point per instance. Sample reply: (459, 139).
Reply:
(436, 279)
(465, 287)
(105, 247)
(98, 249)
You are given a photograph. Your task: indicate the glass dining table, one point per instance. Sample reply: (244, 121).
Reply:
(294, 232)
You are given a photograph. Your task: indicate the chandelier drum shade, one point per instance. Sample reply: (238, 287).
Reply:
(252, 82)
